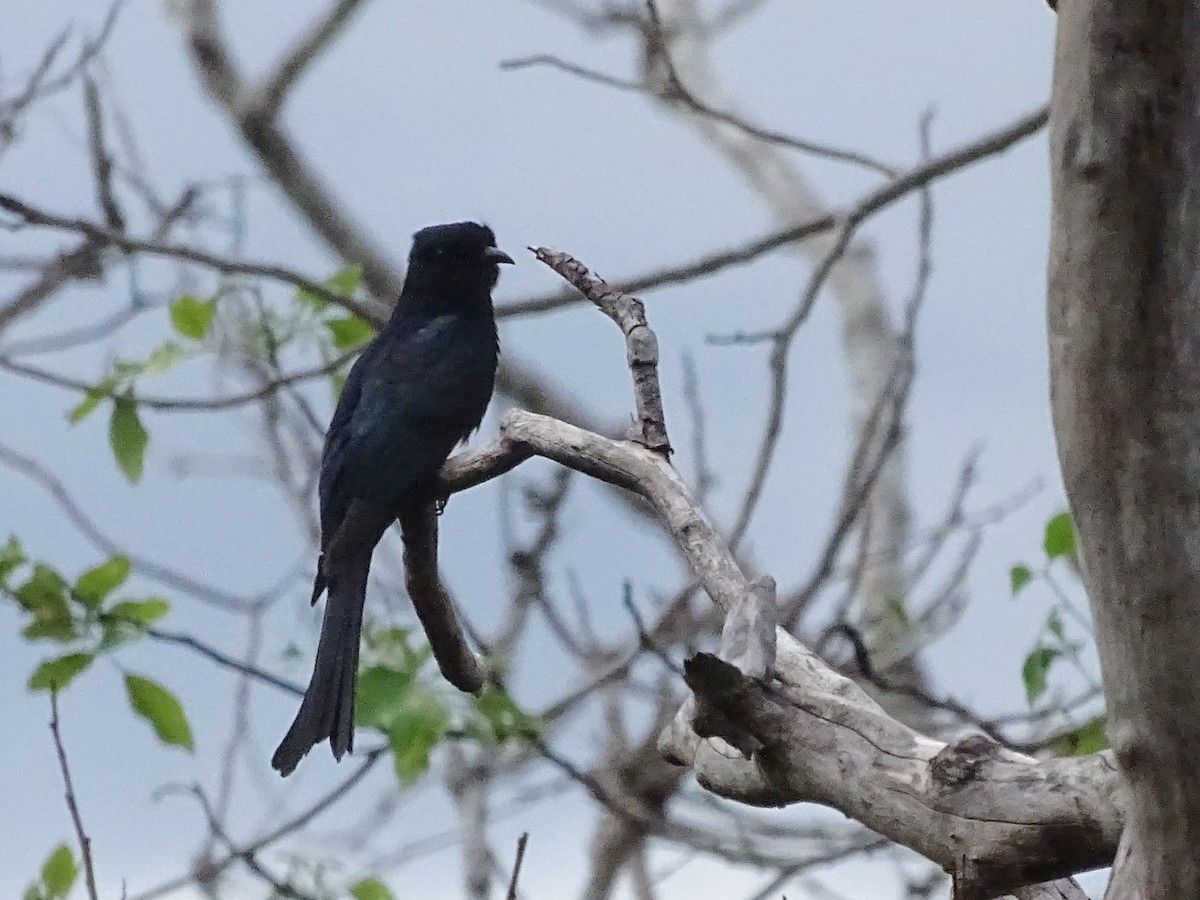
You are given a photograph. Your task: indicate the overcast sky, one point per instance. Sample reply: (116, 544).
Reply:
(411, 121)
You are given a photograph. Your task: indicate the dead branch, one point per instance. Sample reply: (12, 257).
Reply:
(641, 345)
(822, 738)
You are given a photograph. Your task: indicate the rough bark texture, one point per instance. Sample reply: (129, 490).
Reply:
(1124, 308)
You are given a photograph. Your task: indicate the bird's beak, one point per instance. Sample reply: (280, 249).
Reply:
(496, 255)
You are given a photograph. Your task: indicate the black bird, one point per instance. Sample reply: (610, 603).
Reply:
(419, 388)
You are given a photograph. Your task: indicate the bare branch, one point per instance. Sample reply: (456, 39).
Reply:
(102, 163)
(98, 537)
(85, 843)
(641, 344)
(433, 605)
(275, 150)
(40, 84)
(555, 62)
(82, 261)
(883, 196)
(186, 404)
(516, 874)
(224, 660)
(214, 868)
(468, 779)
(894, 780)
(268, 97)
(100, 236)
(674, 89)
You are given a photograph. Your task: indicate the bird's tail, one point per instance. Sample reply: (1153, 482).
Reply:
(327, 710)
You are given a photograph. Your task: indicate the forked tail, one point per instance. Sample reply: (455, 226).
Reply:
(327, 710)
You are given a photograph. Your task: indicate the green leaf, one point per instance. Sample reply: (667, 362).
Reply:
(1060, 536)
(346, 280)
(1034, 670)
(59, 871)
(92, 398)
(418, 727)
(56, 674)
(337, 381)
(350, 332)
(34, 892)
(44, 589)
(129, 619)
(139, 612)
(1090, 737)
(370, 889)
(393, 648)
(1054, 624)
(163, 358)
(44, 596)
(158, 706)
(12, 557)
(128, 438)
(382, 693)
(504, 720)
(96, 584)
(192, 317)
(311, 298)
(1018, 577)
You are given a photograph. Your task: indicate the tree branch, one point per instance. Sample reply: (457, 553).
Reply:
(916, 178)
(268, 97)
(85, 843)
(641, 345)
(822, 738)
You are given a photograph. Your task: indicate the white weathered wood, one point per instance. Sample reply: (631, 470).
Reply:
(997, 820)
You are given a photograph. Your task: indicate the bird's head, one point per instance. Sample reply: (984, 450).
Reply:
(459, 257)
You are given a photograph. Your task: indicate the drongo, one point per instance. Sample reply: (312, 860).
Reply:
(419, 388)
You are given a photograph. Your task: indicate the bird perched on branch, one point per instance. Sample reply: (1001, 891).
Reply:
(419, 388)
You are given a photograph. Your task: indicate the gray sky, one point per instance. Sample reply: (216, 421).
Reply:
(411, 121)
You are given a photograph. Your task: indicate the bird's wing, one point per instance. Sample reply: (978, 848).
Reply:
(336, 436)
(407, 412)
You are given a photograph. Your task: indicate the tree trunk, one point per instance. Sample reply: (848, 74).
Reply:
(1124, 311)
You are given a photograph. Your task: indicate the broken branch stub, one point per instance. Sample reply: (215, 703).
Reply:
(641, 344)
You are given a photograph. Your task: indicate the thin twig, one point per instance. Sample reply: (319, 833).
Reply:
(85, 843)
(564, 65)
(102, 162)
(183, 404)
(777, 364)
(891, 401)
(916, 178)
(512, 885)
(30, 215)
(270, 96)
(674, 89)
(224, 660)
(704, 477)
(293, 825)
(98, 536)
